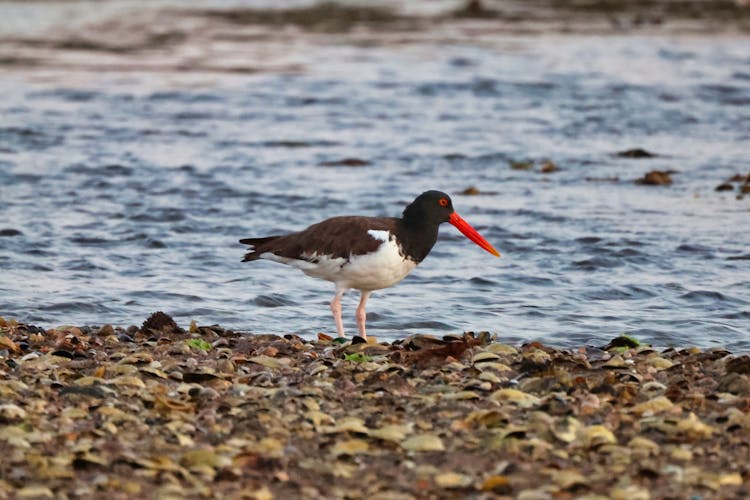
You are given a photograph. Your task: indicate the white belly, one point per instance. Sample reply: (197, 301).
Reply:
(373, 271)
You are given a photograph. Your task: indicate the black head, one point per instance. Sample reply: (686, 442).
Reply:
(429, 208)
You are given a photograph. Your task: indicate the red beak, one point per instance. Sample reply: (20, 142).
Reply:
(472, 233)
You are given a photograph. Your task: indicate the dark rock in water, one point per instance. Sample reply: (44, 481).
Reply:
(10, 232)
(740, 178)
(656, 178)
(345, 162)
(474, 9)
(725, 186)
(470, 191)
(548, 167)
(622, 341)
(160, 322)
(521, 164)
(635, 153)
(745, 188)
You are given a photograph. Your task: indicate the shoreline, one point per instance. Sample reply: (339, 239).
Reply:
(208, 412)
(167, 39)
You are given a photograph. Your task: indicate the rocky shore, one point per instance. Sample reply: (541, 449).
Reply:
(165, 412)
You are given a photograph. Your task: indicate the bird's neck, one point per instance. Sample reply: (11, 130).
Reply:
(416, 237)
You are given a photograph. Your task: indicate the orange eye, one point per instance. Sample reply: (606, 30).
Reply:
(443, 202)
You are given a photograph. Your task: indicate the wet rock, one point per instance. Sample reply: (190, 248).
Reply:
(735, 383)
(635, 153)
(474, 9)
(453, 480)
(423, 442)
(470, 191)
(622, 341)
(160, 323)
(596, 435)
(548, 167)
(500, 485)
(739, 364)
(725, 186)
(122, 337)
(658, 404)
(521, 164)
(656, 178)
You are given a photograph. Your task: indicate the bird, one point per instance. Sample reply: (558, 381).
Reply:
(365, 253)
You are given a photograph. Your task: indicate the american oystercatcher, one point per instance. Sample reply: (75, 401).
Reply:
(365, 253)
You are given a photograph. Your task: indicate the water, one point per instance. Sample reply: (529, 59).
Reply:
(125, 191)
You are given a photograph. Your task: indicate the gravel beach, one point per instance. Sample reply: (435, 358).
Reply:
(166, 412)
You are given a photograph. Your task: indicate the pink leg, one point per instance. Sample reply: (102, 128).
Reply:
(336, 310)
(362, 314)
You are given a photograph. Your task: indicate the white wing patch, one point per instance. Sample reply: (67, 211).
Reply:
(383, 236)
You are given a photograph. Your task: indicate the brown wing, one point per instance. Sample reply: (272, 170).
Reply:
(335, 237)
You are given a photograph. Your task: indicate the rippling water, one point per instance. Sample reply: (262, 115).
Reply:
(126, 193)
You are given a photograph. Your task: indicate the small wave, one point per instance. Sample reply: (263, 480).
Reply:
(534, 280)
(74, 307)
(482, 281)
(737, 315)
(163, 296)
(273, 300)
(71, 95)
(619, 293)
(627, 252)
(111, 170)
(28, 138)
(426, 325)
(596, 263)
(87, 241)
(83, 265)
(183, 97)
(295, 144)
(694, 249)
(160, 215)
(588, 240)
(703, 296)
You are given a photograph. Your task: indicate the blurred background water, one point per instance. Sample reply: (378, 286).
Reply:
(134, 155)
